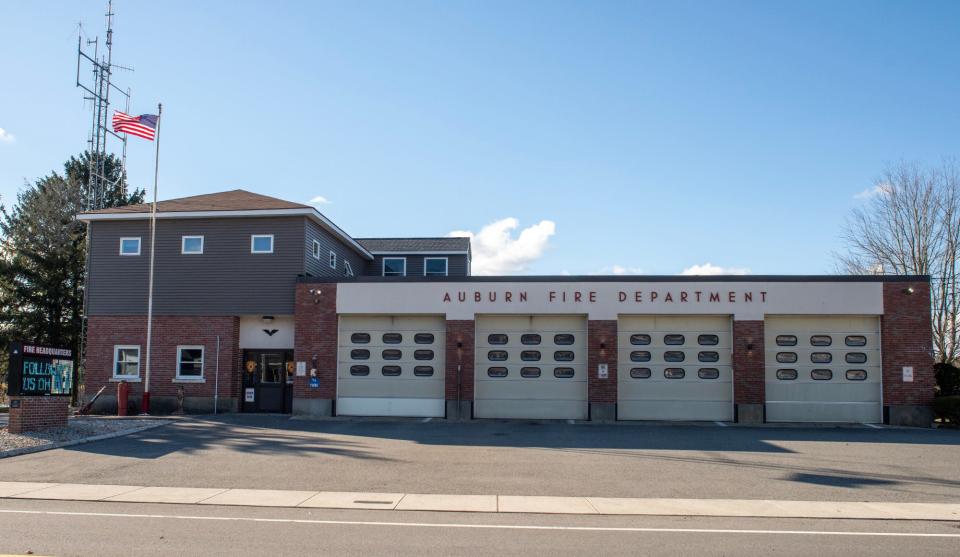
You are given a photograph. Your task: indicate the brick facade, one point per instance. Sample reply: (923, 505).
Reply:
(602, 349)
(907, 340)
(460, 352)
(748, 363)
(315, 340)
(34, 413)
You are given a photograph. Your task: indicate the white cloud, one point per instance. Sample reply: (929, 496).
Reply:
(879, 189)
(6, 137)
(497, 252)
(619, 270)
(319, 200)
(711, 269)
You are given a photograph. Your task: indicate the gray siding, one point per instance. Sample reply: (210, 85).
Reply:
(225, 280)
(321, 267)
(456, 264)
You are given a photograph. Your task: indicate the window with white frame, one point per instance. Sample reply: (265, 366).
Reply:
(261, 243)
(394, 266)
(316, 249)
(126, 362)
(190, 362)
(191, 245)
(333, 259)
(435, 266)
(129, 246)
(347, 268)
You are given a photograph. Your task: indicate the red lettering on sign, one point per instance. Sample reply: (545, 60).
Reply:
(553, 295)
(714, 296)
(748, 296)
(523, 296)
(763, 296)
(638, 296)
(508, 296)
(683, 296)
(477, 297)
(732, 297)
(698, 295)
(492, 295)
(653, 296)
(593, 297)
(623, 296)
(576, 296)
(446, 297)
(668, 298)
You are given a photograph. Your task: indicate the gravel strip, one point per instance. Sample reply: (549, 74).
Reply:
(78, 430)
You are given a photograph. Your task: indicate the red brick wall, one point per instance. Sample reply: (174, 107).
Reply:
(461, 332)
(37, 412)
(316, 336)
(602, 349)
(169, 331)
(907, 340)
(748, 364)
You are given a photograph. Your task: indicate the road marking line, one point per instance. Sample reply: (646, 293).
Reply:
(492, 526)
(425, 420)
(721, 424)
(874, 426)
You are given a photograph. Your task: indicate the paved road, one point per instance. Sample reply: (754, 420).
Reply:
(106, 529)
(521, 458)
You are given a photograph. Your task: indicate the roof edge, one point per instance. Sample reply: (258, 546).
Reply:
(628, 278)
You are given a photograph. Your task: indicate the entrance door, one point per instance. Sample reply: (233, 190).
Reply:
(268, 377)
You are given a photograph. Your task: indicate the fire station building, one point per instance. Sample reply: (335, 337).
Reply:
(263, 305)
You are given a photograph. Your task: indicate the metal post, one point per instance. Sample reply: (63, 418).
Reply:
(145, 406)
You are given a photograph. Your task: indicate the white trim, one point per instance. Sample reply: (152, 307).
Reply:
(139, 244)
(422, 251)
(446, 266)
(332, 259)
(306, 211)
(253, 238)
(191, 378)
(383, 266)
(347, 268)
(316, 250)
(183, 241)
(113, 371)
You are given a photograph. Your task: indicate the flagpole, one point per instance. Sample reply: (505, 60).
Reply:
(145, 405)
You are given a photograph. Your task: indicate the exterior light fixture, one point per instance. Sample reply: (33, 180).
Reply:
(908, 290)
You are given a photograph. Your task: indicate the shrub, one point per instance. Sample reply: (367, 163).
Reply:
(948, 408)
(948, 379)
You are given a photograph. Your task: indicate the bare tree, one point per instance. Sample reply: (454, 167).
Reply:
(911, 226)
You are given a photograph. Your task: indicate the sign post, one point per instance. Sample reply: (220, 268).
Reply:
(41, 381)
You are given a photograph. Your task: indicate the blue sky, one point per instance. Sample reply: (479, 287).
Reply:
(653, 136)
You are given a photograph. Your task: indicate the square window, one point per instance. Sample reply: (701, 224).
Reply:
(316, 249)
(129, 246)
(191, 245)
(394, 266)
(126, 362)
(435, 266)
(333, 260)
(261, 243)
(189, 362)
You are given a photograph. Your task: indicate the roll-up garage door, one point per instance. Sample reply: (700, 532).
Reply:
(531, 367)
(823, 369)
(391, 366)
(674, 368)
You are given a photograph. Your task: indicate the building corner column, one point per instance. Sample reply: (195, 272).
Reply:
(749, 389)
(315, 344)
(602, 369)
(459, 369)
(906, 338)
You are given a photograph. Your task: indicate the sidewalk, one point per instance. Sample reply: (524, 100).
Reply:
(483, 503)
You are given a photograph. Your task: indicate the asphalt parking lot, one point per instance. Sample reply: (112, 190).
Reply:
(517, 457)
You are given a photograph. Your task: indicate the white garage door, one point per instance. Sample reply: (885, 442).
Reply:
(823, 369)
(674, 368)
(531, 367)
(391, 366)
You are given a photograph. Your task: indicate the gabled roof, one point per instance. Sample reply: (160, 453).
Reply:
(234, 200)
(416, 245)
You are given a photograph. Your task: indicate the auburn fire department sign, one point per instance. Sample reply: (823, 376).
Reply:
(40, 370)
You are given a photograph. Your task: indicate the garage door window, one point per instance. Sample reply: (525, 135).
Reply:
(359, 354)
(786, 357)
(563, 356)
(855, 340)
(708, 340)
(423, 338)
(423, 354)
(639, 340)
(497, 339)
(820, 340)
(563, 339)
(674, 373)
(708, 373)
(563, 372)
(856, 375)
(391, 354)
(709, 356)
(673, 340)
(360, 338)
(821, 375)
(786, 340)
(640, 373)
(530, 355)
(390, 371)
(530, 372)
(497, 355)
(360, 371)
(530, 339)
(786, 374)
(821, 357)
(856, 358)
(423, 371)
(496, 372)
(639, 356)
(392, 338)
(673, 356)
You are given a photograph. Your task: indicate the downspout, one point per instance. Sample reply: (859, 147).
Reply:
(216, 380)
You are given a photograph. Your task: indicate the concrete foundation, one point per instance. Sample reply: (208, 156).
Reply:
(317, 407)
(909, 415)
(603, 411)
(162, 405)
(749, 414)
(462, 412)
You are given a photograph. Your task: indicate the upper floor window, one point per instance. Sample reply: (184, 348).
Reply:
(316, 250)
(129, 246)
(333, 259)
(435, 266)
(347, 269)
(261, 243)
(191, 245)
(394, 266)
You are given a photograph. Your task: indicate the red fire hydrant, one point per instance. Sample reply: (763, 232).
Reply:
(123, 393)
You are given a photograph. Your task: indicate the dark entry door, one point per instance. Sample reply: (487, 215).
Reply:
(268, 381)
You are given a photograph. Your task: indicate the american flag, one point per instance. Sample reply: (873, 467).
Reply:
(144, 126)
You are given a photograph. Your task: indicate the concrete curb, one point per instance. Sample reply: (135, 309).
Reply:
(63, 444)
